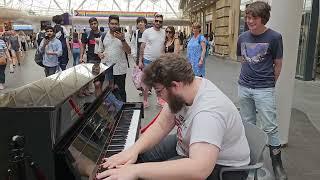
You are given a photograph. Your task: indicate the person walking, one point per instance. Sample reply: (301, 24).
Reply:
(75, 44)
(151, 48)
(196, 50)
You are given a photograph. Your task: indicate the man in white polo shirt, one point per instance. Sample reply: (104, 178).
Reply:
(151, 48)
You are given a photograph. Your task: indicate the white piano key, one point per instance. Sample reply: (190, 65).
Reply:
(131, 137)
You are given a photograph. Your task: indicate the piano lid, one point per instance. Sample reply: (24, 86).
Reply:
(52, 90)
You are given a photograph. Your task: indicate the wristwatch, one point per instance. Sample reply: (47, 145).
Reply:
(123, 40)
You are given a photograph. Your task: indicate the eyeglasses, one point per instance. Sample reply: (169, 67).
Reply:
(159, 91)
(168, 31)
(158, 21)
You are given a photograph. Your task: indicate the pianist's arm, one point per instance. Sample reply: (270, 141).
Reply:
(156, 132)
(199, 164)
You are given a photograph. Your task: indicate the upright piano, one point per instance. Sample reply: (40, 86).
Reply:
(49, 130)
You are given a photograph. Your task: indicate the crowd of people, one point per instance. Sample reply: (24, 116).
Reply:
(210, 133)
(16, 44)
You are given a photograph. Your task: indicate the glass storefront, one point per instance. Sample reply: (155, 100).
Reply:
(308, 53)
(303, 40)
(242, 23)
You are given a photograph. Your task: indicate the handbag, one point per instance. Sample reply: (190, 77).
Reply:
(3, 61)
(137, 77)
(38, 57)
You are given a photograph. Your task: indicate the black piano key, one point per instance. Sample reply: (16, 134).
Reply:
(111, 153)
(115, 148)
(115, 139)
(121, 131)
(117, 142)
(120, 135)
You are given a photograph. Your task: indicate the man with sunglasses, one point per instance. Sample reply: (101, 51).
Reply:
(151, 48)
(51, 48)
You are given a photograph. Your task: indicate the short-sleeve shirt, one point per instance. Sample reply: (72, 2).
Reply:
(213, 118)
(112, 48)
(258, 53)
(154, 43)
(91, 43)
(3, 48)
(14, 41)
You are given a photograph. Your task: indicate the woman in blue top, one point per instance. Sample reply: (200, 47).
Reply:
(196, 51)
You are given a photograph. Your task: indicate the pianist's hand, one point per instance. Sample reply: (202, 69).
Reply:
(123, 172)
(125, 157)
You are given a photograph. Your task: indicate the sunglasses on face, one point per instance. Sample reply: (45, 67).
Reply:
(169, 32)
(49, 31)
(158, 21)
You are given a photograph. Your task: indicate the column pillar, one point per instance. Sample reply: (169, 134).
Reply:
(286, 18)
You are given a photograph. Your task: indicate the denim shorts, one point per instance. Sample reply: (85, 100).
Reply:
(146, 62)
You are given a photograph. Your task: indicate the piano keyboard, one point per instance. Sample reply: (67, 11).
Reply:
(125, 133)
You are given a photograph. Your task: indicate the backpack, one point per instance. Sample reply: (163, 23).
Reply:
(38, 57)
(41, 35)
(103, 35)
(60, 35)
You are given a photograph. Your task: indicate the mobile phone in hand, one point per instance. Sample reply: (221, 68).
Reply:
(119, 29)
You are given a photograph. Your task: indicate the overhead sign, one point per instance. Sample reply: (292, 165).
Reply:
(108, 13)
(22, 27)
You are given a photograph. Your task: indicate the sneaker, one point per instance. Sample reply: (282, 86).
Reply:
(11, 68)
(145, 104)
(1, 86)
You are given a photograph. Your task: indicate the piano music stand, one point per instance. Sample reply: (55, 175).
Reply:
(18, 160)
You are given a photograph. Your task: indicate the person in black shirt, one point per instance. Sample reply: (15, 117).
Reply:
(90, 42)
(171, 44)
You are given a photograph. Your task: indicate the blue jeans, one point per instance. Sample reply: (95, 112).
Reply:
(146, 62)
(166, 151)
(50, 70)
(2, 74)
(76, 56)
(263, 101)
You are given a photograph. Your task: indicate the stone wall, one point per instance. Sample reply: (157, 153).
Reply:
(225, 22)
(222, 27)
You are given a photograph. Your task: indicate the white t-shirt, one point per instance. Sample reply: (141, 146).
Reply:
(214, 119)
(113, 53)
(154, 43)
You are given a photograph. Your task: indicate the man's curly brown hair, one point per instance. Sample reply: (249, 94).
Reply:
(166, 69)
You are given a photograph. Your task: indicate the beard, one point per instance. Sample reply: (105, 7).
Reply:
(175, 102)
